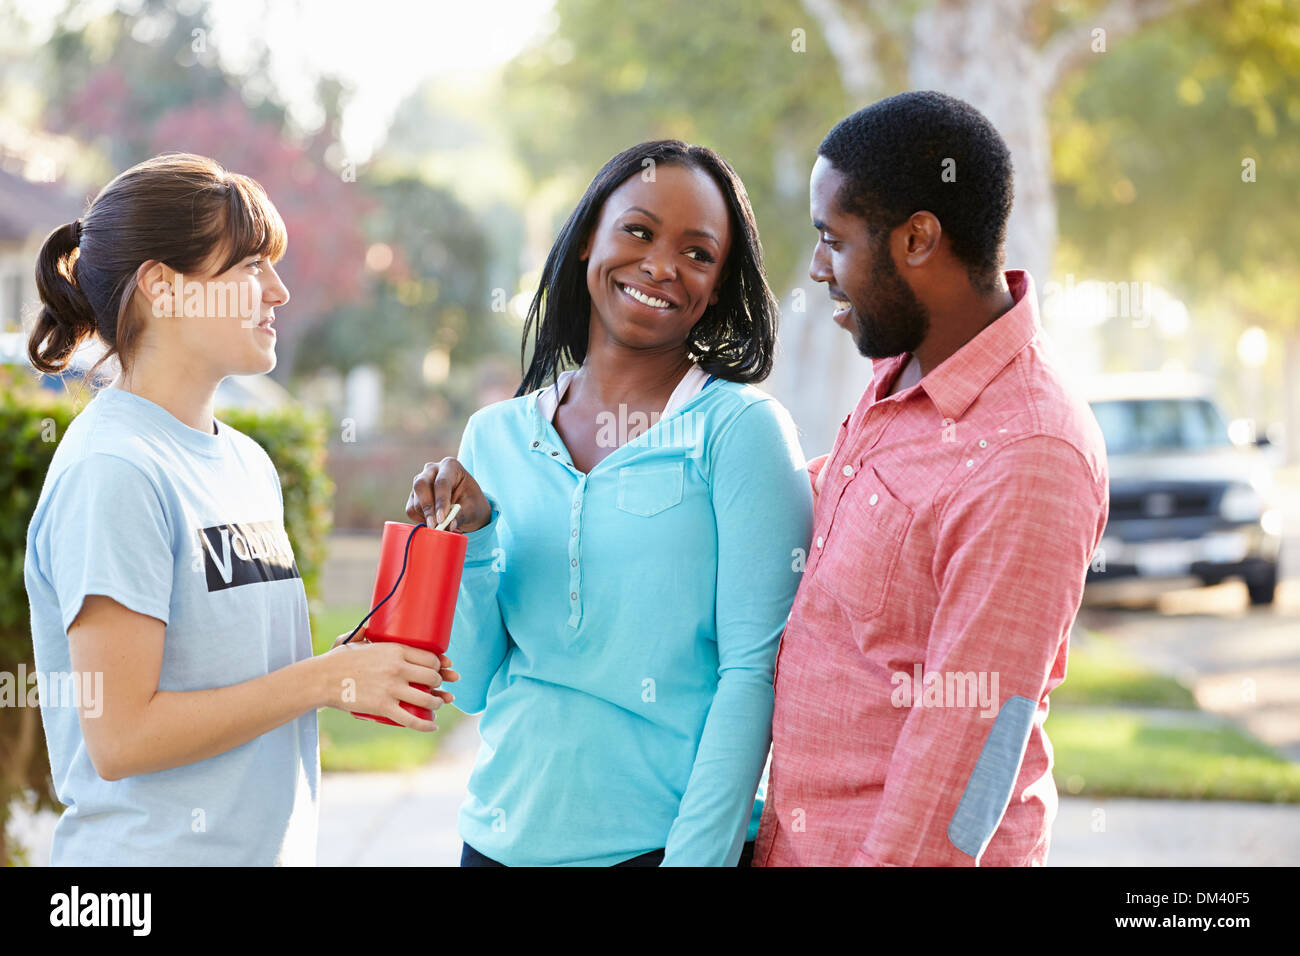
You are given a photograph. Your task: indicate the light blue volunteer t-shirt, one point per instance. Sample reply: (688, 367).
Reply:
(186, 527)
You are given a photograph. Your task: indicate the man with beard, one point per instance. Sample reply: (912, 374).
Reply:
(955, 520)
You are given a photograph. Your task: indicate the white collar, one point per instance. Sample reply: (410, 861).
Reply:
(690, 386)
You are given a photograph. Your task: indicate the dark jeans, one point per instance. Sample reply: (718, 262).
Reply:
(472, 857)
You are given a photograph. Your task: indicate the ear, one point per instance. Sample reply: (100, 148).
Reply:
(920, 239)
(584, 251)
(154, 281)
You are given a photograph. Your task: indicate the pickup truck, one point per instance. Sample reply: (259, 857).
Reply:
(1185, 499)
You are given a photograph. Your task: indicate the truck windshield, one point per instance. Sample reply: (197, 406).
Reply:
(1140, 425)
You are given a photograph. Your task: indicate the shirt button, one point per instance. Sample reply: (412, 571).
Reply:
(983, 443)
(820, 539)
(555, 454)
(969, 462)
(574, 562)
(575, 532)
(573, 595)
(576, 505)
(536, 443)
(848, 470)
(873, 499)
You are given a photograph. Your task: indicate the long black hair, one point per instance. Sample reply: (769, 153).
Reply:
(734, 339)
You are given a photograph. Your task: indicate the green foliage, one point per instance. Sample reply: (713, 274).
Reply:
(31, 423)
(433, 293)
(145, 79)
(1118, 729)
(726, 76)
(117, 72)
(295, 438)
(1149, 144)
(1102, 673)
(1163, 756)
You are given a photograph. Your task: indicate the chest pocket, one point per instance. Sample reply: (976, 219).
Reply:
(646, 490)
(863, 546)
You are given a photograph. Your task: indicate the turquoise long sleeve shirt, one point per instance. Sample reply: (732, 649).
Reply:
(618, 630)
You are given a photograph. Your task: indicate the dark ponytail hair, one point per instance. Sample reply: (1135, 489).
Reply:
(179, 209)
(734, 339)
(66, 315)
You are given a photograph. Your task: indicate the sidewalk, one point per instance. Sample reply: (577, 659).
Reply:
(409, 819)
(398, 819)
(1174, 833)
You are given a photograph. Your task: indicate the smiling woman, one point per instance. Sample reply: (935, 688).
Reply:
(651, 275)
(625, 588)
(733, 329)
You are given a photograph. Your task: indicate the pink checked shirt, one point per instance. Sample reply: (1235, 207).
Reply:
(954, 525)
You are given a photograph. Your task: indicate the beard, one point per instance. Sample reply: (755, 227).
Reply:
(897, 321)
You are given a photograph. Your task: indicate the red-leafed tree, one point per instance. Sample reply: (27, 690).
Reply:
(159, 88)
(324, 268)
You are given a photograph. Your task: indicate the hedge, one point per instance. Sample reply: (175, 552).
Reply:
(32, 420)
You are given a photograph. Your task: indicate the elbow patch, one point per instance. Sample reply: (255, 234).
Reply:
(989, 788)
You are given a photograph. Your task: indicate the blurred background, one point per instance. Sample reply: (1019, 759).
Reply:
(424, 155)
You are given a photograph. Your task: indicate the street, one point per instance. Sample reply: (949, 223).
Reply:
(1241, 662)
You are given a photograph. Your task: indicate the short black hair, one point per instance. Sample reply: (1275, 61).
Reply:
(735, 339)
(893, 155)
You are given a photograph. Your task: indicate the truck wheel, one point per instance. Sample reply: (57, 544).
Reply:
(1262, 586)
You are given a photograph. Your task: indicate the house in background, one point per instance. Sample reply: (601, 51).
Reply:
(28, 212)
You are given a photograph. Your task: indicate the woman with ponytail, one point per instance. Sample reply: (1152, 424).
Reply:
(168, 616)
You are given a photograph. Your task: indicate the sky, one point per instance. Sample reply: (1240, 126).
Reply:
(384, 48)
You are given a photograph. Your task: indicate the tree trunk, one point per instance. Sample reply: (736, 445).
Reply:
(988, 53)
(980, 53)
(818, 374)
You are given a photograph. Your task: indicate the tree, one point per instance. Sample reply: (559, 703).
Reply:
(427, 288)
(324, 266)
(1175, 156)
(1004, 57)
(147, 81)
(741, 79)
(1031, 66)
